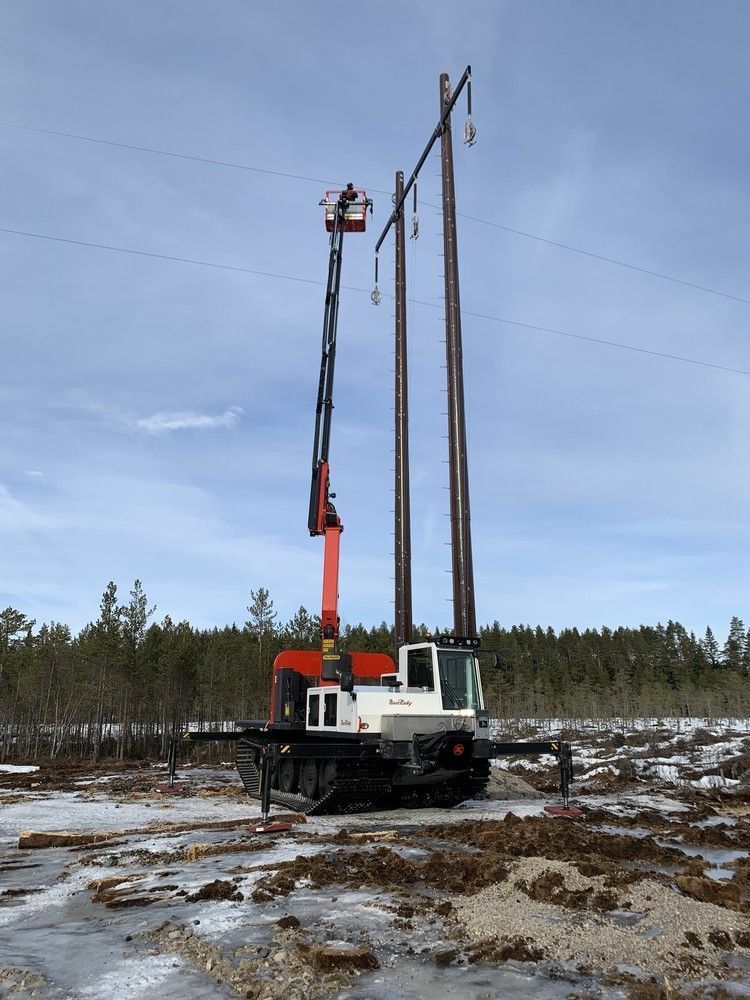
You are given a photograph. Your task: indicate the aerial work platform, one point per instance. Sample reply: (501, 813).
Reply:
(355, 209)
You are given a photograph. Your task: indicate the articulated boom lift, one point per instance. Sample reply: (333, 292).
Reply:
(349, 731)
(345, 213)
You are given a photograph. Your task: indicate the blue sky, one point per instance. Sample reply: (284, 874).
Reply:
(157, 416)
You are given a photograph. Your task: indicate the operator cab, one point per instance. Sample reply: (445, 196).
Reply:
(447, 667)
(355, 216)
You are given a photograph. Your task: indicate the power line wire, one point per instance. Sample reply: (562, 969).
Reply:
(608, 343)
(166, 152)
(608, 260)
(353, 288)
(317, 180)
(162, 256)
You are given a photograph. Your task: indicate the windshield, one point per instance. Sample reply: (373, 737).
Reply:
(458, 679)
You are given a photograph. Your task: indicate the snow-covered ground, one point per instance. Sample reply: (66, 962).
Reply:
(61, 938)
(697, 753)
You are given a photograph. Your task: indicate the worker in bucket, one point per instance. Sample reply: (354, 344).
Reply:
(347, 197)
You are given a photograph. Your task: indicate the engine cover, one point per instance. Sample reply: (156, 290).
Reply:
(403, 727)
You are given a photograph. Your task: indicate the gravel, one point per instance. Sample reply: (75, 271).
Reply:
(656, 942)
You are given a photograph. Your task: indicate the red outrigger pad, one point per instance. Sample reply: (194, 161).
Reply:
(270, 828)
(570, 811)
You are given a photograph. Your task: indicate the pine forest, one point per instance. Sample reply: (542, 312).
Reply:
(127, 683)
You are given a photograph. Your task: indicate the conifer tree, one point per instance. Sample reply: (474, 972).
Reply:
(710, 647)
(735, 645)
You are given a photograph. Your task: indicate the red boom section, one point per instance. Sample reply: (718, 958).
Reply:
(329, 616)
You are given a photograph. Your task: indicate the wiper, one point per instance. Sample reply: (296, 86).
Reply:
(450, 691)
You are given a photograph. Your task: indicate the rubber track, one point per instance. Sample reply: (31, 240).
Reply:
(360, 786)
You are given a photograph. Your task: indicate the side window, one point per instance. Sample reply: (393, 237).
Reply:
(313, 710)
(329, 712)
(420, 668)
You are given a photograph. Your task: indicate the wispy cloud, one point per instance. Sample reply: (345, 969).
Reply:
(165, 423)
(16, 516)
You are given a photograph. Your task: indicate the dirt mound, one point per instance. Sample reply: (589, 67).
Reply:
(536, 836)
(503, 786)
(734, 837)
(707, 890)
(504, 949)
(65, 775)
(328, 958)
(443, 958)
(289, 967)
(382, 868)
(550, 887)
(218, 889)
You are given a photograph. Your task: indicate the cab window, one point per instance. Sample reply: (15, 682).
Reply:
(313, 711)
(420, 672)
(458, 679)
(329, 709)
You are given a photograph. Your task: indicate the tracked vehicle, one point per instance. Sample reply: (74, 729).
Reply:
(416, 734)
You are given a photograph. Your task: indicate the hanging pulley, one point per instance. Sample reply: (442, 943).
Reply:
(376, 296)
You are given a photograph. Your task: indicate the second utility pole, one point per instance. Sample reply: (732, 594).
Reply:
(402, 524)
(464, 610)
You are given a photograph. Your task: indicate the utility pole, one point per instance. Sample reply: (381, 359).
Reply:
(402, 522)
(464, 610)
(464, 613)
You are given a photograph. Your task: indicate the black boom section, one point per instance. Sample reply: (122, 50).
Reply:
(324, 403)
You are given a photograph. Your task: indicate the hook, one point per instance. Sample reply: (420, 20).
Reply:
(470, 131)
(375, 295)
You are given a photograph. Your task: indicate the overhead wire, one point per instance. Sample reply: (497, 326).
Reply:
(173, 258)
(212, 161)
(608, 260)
(161, 256)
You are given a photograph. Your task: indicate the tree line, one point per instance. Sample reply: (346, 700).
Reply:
(125, 684)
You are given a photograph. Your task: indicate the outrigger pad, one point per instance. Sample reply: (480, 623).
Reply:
(571, 811)
(270, 828)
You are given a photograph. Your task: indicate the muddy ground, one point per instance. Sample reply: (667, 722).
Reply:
(125, 890)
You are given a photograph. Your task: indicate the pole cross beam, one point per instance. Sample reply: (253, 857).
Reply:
(439, 129)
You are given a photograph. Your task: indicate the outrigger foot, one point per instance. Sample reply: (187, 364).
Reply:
(270, 827)
(570, 811)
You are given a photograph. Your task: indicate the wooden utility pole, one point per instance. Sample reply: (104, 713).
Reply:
(402, 518)
(464, 610)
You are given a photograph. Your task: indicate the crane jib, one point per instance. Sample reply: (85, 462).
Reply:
(324, 405)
